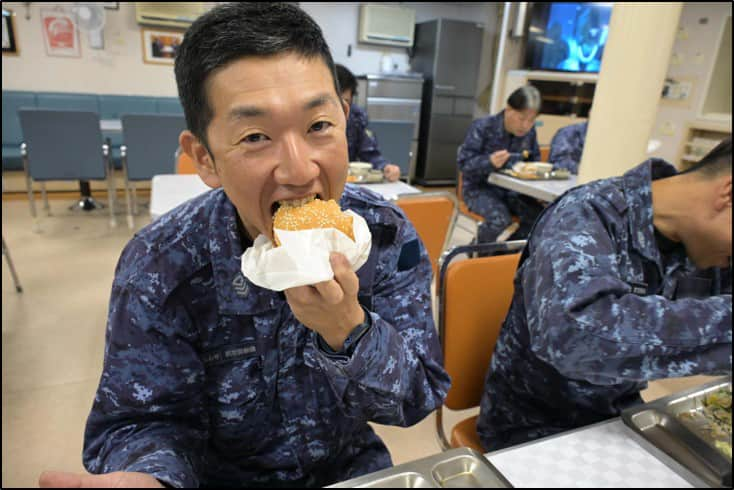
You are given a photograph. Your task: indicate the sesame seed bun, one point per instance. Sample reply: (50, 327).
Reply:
(314, 214)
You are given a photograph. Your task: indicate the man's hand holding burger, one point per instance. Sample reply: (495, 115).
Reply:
(330, 308)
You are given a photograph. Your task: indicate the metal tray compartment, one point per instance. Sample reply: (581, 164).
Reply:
(456, 468)
(659, 422)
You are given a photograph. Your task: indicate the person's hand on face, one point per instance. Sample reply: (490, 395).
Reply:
(392, 172)
(499, 158)
(330, 308)
(118, 479)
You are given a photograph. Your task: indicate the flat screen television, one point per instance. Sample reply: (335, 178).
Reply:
(567, 36)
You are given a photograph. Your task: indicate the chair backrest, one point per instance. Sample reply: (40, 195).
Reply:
(475, 296)
(184, 163)
(394, 139)
(151, 141)
(12, 101)
(62, 144)
(433, 215)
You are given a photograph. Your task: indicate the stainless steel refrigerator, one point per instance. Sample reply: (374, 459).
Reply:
(447, 53)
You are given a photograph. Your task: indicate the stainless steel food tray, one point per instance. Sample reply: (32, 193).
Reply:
(455, 468)
(659, 423)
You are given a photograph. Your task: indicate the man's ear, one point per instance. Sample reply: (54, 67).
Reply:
(196, 150)
(722, 195)
(345, 107)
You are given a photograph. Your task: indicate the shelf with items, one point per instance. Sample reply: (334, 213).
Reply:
(699, 138)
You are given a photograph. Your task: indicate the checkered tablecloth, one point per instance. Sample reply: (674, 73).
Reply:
(604, 455)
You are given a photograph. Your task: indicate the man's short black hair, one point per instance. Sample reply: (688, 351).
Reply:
(233, 31)
(717, 162)
(346, 79)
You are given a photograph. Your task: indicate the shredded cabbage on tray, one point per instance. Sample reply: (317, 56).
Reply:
(716, 415)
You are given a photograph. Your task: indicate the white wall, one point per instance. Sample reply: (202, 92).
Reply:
(340, 23)
(119, 68)
(693, 56)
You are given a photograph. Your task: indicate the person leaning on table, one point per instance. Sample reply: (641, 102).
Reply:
(623, 280)
(210, 380)
(495, 143)
(361, 141)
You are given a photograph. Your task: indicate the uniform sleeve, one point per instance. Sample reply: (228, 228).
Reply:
(148, 413)
(369, 151)
(585, 321)
(565, 151)
(395, 375)
(473, 158)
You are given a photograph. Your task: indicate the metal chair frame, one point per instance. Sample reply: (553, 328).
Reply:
(446, 259)
(29, 184)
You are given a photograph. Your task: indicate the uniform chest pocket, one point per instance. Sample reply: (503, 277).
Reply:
(234, 375)
(238, 408)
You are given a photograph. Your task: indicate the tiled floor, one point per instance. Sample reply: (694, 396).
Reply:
(53, 339)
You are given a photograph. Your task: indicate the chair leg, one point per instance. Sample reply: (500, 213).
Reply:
(31, 201)
(6, 253)
(110, 202)
(135, 198)
(130, 221)
(45, 199)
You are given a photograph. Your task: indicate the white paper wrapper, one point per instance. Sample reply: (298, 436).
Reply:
(303, 256)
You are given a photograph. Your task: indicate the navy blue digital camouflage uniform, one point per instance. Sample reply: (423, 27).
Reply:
(567, 146)
(602, 304)
(495, 204)
(361, 141)
(210, 380)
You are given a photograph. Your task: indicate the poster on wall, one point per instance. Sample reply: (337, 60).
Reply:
(160, 46)
(10, 43)
(60, 34)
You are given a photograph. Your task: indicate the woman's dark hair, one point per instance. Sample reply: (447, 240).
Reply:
(346, 79)
(526, 97)
(233, 31)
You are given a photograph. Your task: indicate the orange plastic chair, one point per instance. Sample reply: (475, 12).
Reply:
(433, 215)
(474, 298)
(184, 163)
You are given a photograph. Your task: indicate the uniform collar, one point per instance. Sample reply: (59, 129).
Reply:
(637, 187)
(235, 294)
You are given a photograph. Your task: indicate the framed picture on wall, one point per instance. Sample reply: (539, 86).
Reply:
(160, 46)
(60, 34)
(10, 39)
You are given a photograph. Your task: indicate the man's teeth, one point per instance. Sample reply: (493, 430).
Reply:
(297, 202)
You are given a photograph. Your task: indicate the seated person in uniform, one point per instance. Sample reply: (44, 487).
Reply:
(494, 143)
(623, 281)
(362, 142)
(211, 380)
(567, 147)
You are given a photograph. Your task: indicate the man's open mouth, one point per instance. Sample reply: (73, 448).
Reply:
(293, 202)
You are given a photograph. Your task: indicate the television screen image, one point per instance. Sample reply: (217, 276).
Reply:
(567, 36)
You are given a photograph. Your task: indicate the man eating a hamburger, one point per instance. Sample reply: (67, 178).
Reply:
(211, 380)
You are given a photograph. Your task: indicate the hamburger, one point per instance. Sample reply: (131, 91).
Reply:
(310, 213)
